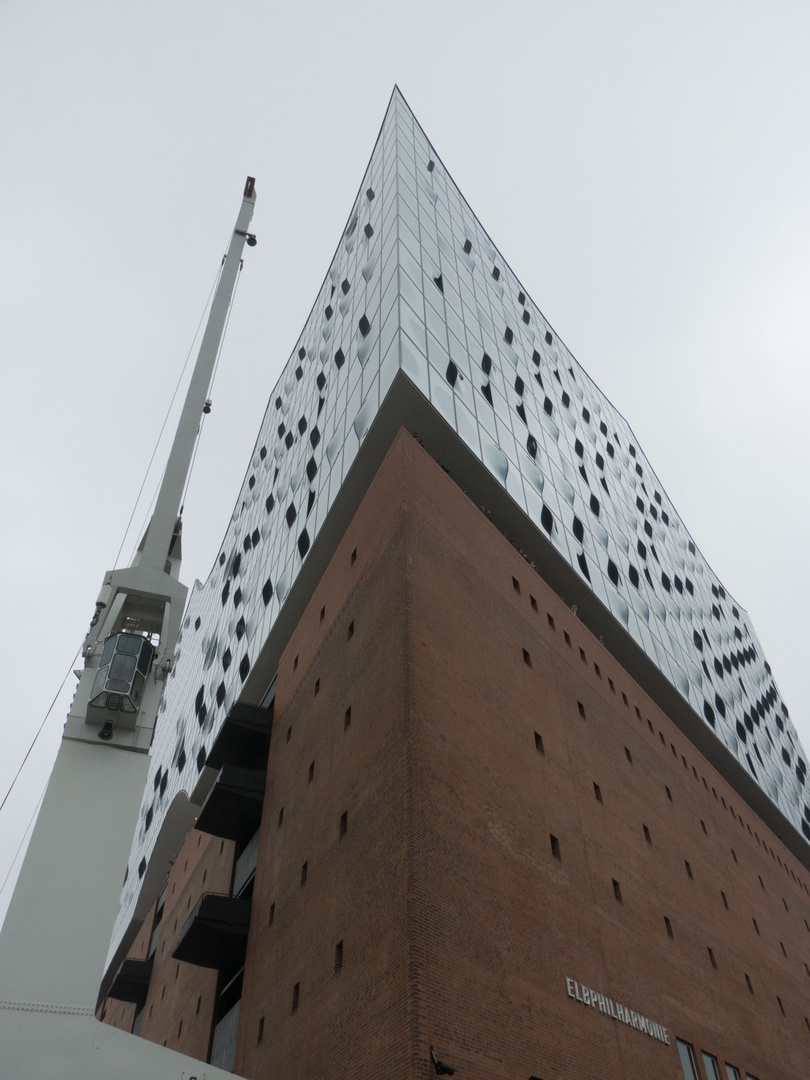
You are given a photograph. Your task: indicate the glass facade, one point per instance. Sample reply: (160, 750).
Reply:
(417, 288)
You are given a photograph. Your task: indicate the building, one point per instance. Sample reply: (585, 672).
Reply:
(488, 771)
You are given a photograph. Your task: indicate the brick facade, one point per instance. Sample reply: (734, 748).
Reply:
(487, 806)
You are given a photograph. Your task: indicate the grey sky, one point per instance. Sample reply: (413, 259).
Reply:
(644, 168)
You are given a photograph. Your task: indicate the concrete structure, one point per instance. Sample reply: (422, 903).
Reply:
(482, 756)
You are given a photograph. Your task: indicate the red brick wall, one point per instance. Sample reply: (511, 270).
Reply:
(459, 925)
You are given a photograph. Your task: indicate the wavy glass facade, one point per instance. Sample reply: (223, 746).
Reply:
(421, 321)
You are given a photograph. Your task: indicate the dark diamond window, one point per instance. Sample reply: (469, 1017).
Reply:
(267, 592)
(244, 667)
(546, 519)
(303, 543)
(290, 515)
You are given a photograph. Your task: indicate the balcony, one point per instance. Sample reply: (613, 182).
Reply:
(132, 981)
(215, 933)
(233, 809)
(244, 738)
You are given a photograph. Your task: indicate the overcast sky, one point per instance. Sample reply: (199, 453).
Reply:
(643, 167)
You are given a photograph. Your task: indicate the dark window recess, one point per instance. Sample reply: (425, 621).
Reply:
(579, 449)
(613, 572)
(226, 592)
(548, 407)
(487, 392)
(269, 503)
(237, 598)
(521, 298)
(304, 872)
(647, 836)
(299, 373)
(536, 358)
(527, 660)
(220, 693)
(508, 336)
(303, 543)
(688, 868)
(668, 925)
(617, 891)
(594, 506)
(370, 194)
(467, 247)
(200, 698)
(338, 957)
(312, 469)
(340, 359)
(555, 847)
(364, 325)
(267, 592)
(520, 386)
(496, 272)
(181, 761)
(526, 317)
(439, 283)
(583, 565)
(244, 667)
(252, 482)
(344, 824)
(290, 515)
(226, 659)
(546, 519)
(368, 230)
(581, 710)
(328, 311)
(597, 791)
(628, 755)
(240, 629)
(201, 759)
(521, 413)
(141, 868)
(531, 446)
(255, 537)
(321, 380)
(549, 338)
(632, 573)
(566, 400)
(538, 742)
(452, 373)
(579, 530)
(712, 960)
(486, 363)
(296, 996)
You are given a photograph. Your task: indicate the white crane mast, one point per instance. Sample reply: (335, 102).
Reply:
(57, 930)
